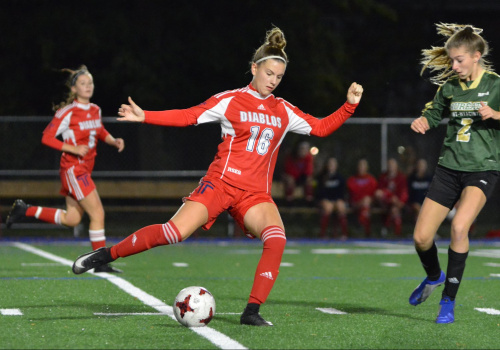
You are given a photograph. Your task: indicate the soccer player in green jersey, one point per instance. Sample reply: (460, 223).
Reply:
(469, 163)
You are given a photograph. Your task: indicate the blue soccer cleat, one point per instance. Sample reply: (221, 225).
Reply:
(446, 310)
(424, 289)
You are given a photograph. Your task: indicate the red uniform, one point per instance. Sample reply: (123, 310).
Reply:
(253, 128)
(394, 186)
(361, 186)
(78, 124)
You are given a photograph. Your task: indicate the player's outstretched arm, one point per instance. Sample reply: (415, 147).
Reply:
(131, 112)
(354, 93)
(420, 125)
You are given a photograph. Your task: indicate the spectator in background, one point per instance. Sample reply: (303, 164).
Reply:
(418, 184)
(331, 196)
(392, 195)
(299, 167)
(361, 189)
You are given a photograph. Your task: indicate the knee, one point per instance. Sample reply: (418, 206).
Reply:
(459, 230)
(422, 242)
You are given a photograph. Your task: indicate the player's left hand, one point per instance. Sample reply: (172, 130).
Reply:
(486, 112)
(120, 144)
(354, 93)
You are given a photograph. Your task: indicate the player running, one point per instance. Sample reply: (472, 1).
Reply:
(469, 164)
(253, 124)
(79, 123)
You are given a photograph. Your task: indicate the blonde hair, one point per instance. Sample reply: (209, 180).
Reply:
(73, 77)
(273, 47)
(436, 58)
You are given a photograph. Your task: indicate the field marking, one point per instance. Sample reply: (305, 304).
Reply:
(494, 274)
(180, 264)
(215, 337)
(331, 311)
(286, 264)
(40, 264)
(11, 312)
(390, 264)
(492, 264)
(129, 314)
(488, 311)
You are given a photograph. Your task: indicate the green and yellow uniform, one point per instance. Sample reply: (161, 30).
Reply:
(471, 144)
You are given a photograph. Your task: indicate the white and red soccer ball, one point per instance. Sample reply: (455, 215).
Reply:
(194, 307)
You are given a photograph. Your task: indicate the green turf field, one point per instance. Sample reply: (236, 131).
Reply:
(369, 282)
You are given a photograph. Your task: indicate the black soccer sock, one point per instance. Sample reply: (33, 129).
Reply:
(430, 262)
(454, 273)
(252, 308)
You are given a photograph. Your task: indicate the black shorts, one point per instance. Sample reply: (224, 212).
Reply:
(447, 184)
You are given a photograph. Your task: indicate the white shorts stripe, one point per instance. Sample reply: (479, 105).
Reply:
(73, 184)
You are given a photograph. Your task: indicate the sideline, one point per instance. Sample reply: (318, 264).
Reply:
(215, 337)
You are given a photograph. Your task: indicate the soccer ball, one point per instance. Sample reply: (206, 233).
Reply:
(194, 307)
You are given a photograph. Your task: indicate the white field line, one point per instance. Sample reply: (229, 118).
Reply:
(218, 339)
(492, 264)
(331, 311)
(488, 311)
(11, 312)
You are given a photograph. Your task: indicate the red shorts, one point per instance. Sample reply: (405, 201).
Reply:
(76, 182)
(218, 196)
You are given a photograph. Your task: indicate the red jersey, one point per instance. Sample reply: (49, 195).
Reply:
(77, 124)
(297, 167)
(361, 186)
(397, 185)
(253, 128)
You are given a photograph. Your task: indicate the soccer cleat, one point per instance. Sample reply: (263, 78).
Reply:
(446, 310)
(424, 289)
(254, 320)
(91, 260)
(107, 268)
(17, 212)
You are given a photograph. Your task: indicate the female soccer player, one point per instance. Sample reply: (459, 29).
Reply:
(331, 197)
(254, 123)
(79, 124)
(469, 164)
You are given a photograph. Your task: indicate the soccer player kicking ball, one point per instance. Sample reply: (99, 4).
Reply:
(254, 123)
(469, 164)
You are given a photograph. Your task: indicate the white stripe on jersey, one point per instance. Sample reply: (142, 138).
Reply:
(297, 124)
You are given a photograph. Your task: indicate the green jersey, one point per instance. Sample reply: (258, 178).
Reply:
(471, 144)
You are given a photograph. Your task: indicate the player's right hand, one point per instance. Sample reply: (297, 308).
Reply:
(131, 113)
(420, 125)
(81, 150)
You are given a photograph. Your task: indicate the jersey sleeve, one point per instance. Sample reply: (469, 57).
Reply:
(303, 123)
(209, 111)
(436, 110)
(55, 128)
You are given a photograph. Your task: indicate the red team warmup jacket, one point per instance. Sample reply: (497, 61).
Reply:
(252, 129)
(78, 124)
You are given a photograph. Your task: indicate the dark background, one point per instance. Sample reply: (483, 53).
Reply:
(175, 54)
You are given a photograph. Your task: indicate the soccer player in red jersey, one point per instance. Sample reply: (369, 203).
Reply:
(392, 195)
(253, 124)
(79, 123)
(361, 187)
(298, 171)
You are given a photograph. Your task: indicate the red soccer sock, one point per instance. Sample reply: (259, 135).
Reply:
(397, 225)
(97, 238)
(324, 221)
(267, 271)
(50, 215)
(343, 224)
(365, 220)
(146, 238)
